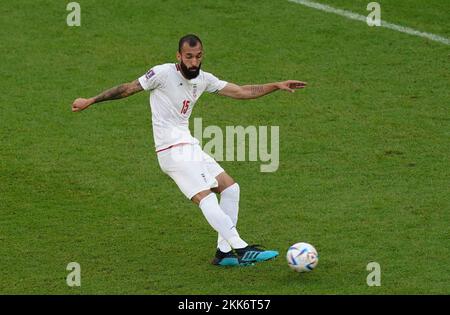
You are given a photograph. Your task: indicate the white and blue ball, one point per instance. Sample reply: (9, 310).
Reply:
(302, 257)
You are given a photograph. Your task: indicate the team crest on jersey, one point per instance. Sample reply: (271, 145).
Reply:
(150, 73)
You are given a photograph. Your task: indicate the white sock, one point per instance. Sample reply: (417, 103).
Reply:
(220, 221)
(229, 202)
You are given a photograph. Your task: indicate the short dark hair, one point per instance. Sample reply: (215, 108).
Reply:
(191, 39)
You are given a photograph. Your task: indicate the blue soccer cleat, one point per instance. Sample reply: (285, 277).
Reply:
(254, 253)
(228, 260)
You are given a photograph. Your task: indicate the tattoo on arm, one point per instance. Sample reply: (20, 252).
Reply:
(120, 91)
(111, 94)
(256, 90)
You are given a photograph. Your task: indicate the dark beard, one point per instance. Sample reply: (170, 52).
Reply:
(190, 74)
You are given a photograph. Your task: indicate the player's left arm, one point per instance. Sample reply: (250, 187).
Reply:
(255, 91)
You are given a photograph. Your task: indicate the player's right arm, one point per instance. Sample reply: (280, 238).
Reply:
(118, 92)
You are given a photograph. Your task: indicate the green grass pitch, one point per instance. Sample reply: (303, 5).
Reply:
(364, 151)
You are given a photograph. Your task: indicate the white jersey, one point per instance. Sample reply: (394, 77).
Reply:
(172, 99)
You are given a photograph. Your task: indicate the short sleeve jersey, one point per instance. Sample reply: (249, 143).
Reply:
(172, 99)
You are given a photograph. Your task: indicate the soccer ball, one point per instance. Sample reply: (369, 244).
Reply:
(302, 257)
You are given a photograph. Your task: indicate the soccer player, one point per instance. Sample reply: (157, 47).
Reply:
(175, 88)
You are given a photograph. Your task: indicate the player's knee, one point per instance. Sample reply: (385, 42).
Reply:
(232, 192)
(224, 180)
(199, 196)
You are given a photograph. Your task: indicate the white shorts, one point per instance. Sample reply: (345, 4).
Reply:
(192, 169)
